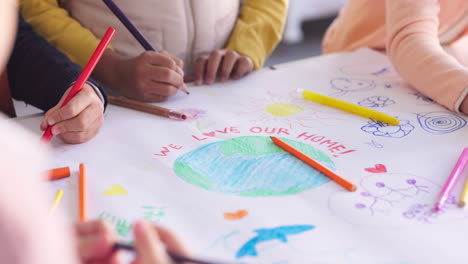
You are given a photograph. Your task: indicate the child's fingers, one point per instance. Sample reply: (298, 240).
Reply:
(79, 123)
(92, 227)
(165, 75)
(158, 59)
(213, 66)
(179, 62)
(44, 122)
(200, 66)
(173, 243)
(228, 63)
(244, 66)
(76, 105)
(95, 240)
(148, 246)
(80, 137)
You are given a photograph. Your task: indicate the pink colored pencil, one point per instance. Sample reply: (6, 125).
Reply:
(84, 76)
(452, 179)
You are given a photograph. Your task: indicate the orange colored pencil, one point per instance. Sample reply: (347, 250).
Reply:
(314, 164)
(58, 173)
(82, 193)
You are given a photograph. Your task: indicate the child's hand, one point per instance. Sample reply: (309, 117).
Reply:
(79, 120)
(149, 242)
(95, 241)
(221, 64)
(464, 106)
(152, 76)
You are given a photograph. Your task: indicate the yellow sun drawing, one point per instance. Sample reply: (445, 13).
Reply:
(289, 111)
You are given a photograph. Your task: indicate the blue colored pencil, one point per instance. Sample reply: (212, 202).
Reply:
(129, 25)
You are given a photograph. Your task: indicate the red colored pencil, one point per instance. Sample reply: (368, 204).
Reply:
(314, 164)
(82, 193)
(84, 76)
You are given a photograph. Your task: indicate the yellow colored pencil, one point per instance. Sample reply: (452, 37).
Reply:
(57, 199)
(464, 195)
(349, 107)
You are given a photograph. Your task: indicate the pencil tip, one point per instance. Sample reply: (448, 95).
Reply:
(461, 204)
(354, 188)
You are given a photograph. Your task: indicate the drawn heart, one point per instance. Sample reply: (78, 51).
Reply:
(236, 216)
(211, 134)
(115, 190)
(379, 168)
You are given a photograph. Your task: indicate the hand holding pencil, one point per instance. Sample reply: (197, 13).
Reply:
(82, 79)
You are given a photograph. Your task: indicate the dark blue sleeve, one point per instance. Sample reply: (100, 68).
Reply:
(38, 73)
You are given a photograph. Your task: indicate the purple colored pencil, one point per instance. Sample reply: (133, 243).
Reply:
(128, 24)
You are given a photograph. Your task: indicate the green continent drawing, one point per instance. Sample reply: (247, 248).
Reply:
(251, 166)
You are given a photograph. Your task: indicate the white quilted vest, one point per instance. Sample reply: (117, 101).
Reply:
(185, 28)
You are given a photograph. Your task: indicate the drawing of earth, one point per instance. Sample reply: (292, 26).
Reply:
(251, 166)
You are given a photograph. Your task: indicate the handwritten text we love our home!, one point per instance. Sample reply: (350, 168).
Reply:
(333, 146)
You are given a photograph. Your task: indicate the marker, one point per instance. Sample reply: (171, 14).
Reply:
(349, 107)
(452, 179)
(84, 76)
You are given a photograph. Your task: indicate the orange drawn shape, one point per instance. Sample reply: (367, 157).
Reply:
(236, 216)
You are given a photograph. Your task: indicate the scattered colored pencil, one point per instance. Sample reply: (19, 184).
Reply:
(452, 179)
(133, 29)
(147, 108)
(57, 199)
(84, 76)
(59, 173)
(82, 193)
(175, 257)
(464, 195)
(349, 107)
(314, 164)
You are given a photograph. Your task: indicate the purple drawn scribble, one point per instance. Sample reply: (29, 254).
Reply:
(192, 113)
(425, 212)
(391, 196)
(382, 71)
(393, 199)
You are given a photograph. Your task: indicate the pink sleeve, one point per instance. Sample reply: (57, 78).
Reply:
(27, 234)
(414, 49)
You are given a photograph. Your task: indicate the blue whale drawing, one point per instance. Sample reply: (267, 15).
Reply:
(281, 233)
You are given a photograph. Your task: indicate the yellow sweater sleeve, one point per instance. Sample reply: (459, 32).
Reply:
(61, 30)
(258, 29)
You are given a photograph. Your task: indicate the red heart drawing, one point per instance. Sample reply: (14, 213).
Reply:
(379, 168)
(211, 134)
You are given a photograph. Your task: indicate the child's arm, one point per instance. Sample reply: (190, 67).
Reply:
(258, 29)
(40, 75)
(257, 32)
(62, 31)
(413, 47)
(152, 76)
